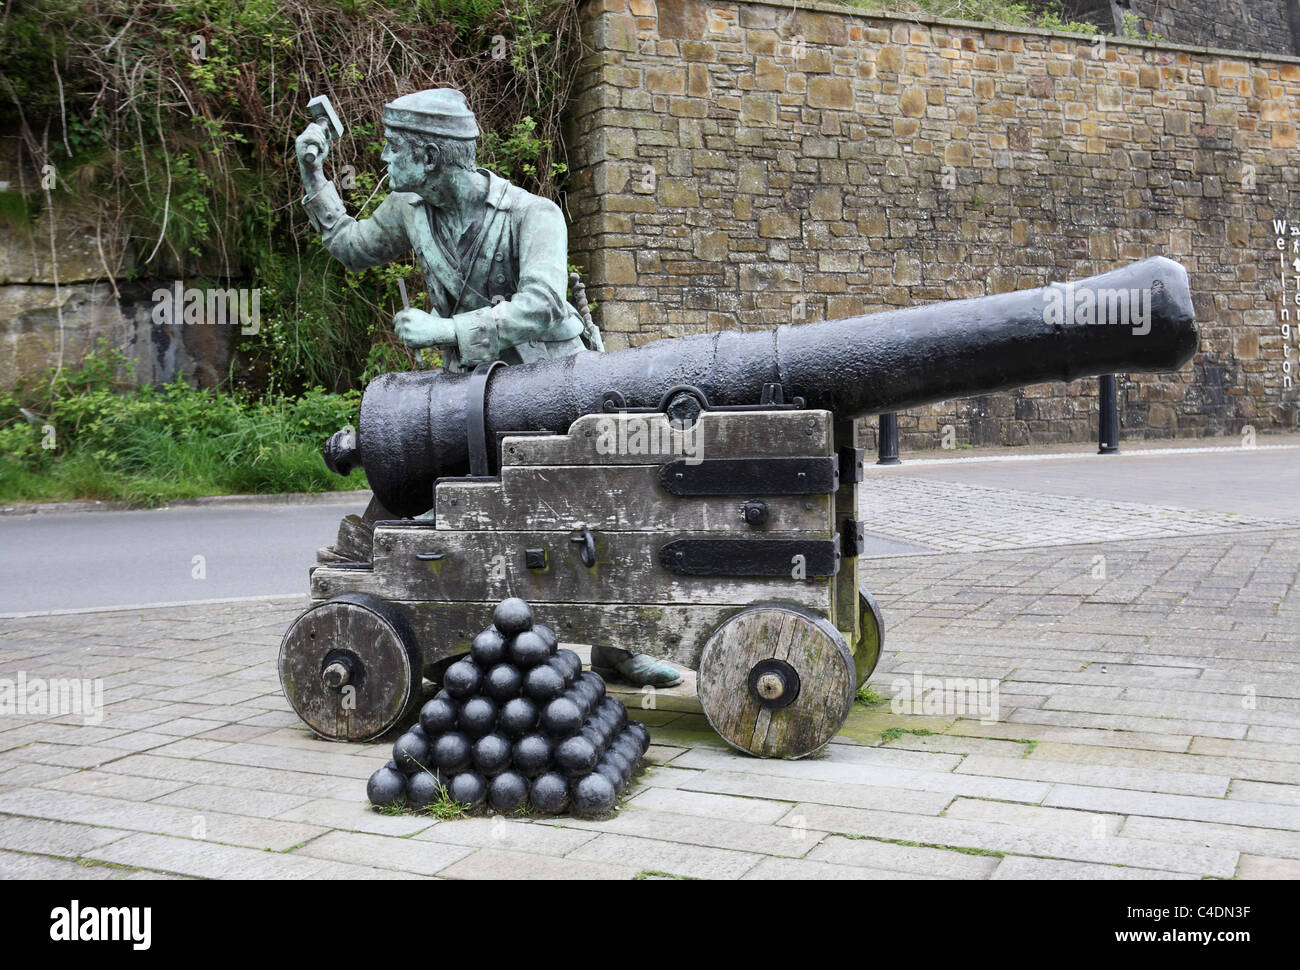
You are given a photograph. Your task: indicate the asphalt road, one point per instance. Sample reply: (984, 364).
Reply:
(61, 561)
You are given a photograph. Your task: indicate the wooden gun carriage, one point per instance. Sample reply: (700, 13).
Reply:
(694, 499)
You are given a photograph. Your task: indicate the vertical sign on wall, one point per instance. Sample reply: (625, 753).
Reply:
(1288, 262)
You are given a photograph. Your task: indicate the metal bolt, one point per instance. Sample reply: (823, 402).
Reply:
(770, 686)
(336, 675)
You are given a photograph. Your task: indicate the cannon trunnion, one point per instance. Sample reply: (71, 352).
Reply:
(728, 544)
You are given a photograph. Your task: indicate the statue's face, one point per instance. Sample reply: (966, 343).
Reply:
(405, 158)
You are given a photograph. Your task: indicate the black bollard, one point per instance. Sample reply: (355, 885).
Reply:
(1108, 415)
(887, 439)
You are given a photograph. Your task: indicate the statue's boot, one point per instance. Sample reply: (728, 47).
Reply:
(638, 669)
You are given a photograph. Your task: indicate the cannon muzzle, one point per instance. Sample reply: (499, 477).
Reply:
(418, 426)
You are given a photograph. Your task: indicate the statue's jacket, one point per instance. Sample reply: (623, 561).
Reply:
(507, 298)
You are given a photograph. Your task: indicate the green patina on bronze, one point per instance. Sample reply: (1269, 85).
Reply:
(494, 256)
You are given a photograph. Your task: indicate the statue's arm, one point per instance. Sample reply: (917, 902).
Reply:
(538, 304)
(358, 243)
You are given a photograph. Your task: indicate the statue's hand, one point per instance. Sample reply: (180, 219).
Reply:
(416, 328)
(312, 149)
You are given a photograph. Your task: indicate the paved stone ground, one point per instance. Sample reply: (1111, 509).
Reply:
(1148, 725)
(959, 517)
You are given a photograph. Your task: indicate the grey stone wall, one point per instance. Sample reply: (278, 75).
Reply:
(57, 301)
(1249, 25)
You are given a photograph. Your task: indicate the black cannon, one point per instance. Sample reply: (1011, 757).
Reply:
(696, 499)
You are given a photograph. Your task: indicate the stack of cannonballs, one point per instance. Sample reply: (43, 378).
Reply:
(517, 724)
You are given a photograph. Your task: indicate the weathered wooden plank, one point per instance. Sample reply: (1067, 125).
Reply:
(355, 533)
(650, 439)
(484, 565)
(611, 497)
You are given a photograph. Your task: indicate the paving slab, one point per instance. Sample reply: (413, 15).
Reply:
(1147, 726)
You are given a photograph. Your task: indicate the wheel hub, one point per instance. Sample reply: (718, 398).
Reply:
(773, 684)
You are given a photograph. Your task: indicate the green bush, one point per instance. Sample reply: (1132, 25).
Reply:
(87, 438)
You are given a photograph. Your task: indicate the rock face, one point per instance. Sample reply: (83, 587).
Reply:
(56, 301)
(741, 165)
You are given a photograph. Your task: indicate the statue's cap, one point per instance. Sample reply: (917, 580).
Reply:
(438, 111)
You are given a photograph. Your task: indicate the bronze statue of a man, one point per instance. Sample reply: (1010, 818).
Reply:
(494, 258)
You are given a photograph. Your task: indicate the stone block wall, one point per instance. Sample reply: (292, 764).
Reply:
(57, 302)
(743, 165)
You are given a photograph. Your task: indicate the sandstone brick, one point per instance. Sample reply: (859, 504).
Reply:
(777, 224)
(676, 193)
(830, 92)
(912, 103)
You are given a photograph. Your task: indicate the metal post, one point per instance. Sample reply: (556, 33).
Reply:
(1108, 415)
(887, 439)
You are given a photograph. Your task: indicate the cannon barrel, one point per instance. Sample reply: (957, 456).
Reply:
(418, 426)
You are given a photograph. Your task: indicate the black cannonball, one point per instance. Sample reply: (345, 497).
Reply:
(543, 684)
(462, 679)
(512, 616)
(508, 792)
(561, 717)
(582, 694)
(478, 716)
(628, 746)
(422, 788)
(616, 758)
(593, 795)
(532, 754)
(550, 793)
(418, 730)
(576, 756)
(571, 660)
(442, 695)
(491, 754)
(438, 716)
(617, 712)
(561, 667)
(468, 788)
(503, 682)
(387, 786)
(451, 752)
(411, 752)
(528, 650)
(593, 732)
(640, 732)
(597, 683)
(488, 648)
(607, 770)
(390, 763)
(518, 717)
(547, 634)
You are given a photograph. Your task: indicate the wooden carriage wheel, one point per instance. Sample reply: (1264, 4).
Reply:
(776, 680)
(351, 668)
(871, 636)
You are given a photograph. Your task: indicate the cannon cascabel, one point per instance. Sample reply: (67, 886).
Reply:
(418, 426)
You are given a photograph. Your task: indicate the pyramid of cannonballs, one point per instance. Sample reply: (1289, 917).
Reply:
(517, 723)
